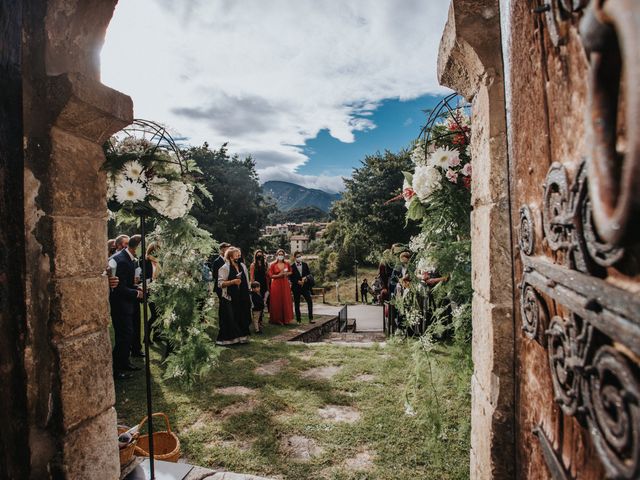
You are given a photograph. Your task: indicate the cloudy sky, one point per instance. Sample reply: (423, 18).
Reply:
(304, 86)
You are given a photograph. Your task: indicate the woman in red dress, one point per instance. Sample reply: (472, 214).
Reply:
(281, 305)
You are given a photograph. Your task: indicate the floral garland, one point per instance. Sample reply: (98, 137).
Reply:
(438, 195)
(151, 179)
(145, 178)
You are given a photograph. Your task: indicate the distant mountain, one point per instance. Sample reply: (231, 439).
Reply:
(289, 196)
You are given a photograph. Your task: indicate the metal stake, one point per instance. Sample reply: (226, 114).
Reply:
(147, 357)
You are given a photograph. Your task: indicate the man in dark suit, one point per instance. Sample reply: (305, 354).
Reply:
(123, 300)
(301, 284)
(136, 343)
(215, 266)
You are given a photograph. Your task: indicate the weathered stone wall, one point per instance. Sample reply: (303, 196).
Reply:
(61, 380)
(470, 62)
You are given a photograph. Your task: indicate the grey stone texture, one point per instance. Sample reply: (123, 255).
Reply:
(470, 62)
(66, 355)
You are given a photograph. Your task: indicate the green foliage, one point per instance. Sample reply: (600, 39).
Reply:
(182, 298)
(299, 215)
(237, 208)
(364, 213)
(365, 222)
(179, 293)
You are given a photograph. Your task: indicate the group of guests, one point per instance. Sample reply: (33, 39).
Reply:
(244, 293)
(124, 270)
(394, 281)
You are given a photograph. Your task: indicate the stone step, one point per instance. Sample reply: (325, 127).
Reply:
(359, 337)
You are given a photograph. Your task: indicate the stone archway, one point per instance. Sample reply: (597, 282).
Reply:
(56, 361)
(470, 62)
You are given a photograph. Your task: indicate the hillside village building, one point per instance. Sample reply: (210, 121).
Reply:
(299, 243)
(293, 228)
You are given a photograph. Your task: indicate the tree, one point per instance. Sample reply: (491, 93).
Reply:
(365, 223)
(299, 215)
(237, 209)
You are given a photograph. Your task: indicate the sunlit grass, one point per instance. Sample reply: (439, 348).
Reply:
(432, 444)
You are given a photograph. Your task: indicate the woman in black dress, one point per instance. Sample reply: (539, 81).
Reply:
(234, 312)
(258, 271)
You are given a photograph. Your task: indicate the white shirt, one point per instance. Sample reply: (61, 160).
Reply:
(223, 276)
(299, 267)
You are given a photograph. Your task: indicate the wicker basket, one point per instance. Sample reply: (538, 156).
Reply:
(126, 453)
(166, 445)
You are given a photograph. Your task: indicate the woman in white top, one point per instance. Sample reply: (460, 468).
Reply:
(234, 313)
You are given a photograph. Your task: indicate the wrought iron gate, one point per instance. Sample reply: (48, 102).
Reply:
(575, 200)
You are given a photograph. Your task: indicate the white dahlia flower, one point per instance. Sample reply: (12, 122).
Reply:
(426, 180)
(418, 156)
(173, 200)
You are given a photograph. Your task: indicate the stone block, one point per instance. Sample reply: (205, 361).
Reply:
(91, 451)
(492, 344)
(77, 185)
(86, 378)
(481, 413)
(488, 150)
(491, 252)
(81, 306)
(493, 395)
(80, 246)
(87, 108)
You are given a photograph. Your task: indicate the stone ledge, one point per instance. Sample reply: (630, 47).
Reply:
(309, 333)
(87, 108)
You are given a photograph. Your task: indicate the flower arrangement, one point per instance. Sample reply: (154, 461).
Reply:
(437, 194)
(444, 162)
(153, 178)
(146, 178)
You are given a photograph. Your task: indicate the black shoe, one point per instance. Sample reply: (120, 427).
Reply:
(132, 368)
(138, 354)
(299, 321)
(122, 376)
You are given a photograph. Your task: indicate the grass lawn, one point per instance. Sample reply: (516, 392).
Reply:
(247, 432)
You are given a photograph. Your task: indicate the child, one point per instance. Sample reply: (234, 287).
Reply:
(257, 306)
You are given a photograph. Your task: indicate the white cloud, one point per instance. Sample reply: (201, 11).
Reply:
(269, 75)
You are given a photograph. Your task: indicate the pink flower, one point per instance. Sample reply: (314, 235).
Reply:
(452, 176)
(454, 161)
(466, 170)
(408, 193)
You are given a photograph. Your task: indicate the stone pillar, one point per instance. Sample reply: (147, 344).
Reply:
(61, 394)
(470, 62)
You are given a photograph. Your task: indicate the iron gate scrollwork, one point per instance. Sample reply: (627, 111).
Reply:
(593, 350)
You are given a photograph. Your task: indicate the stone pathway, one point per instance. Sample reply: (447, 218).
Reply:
(272, 368)
(321, 373)
(339, 413)
(362, 461)
(238, 390)
(368, 317)
(301, 448)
